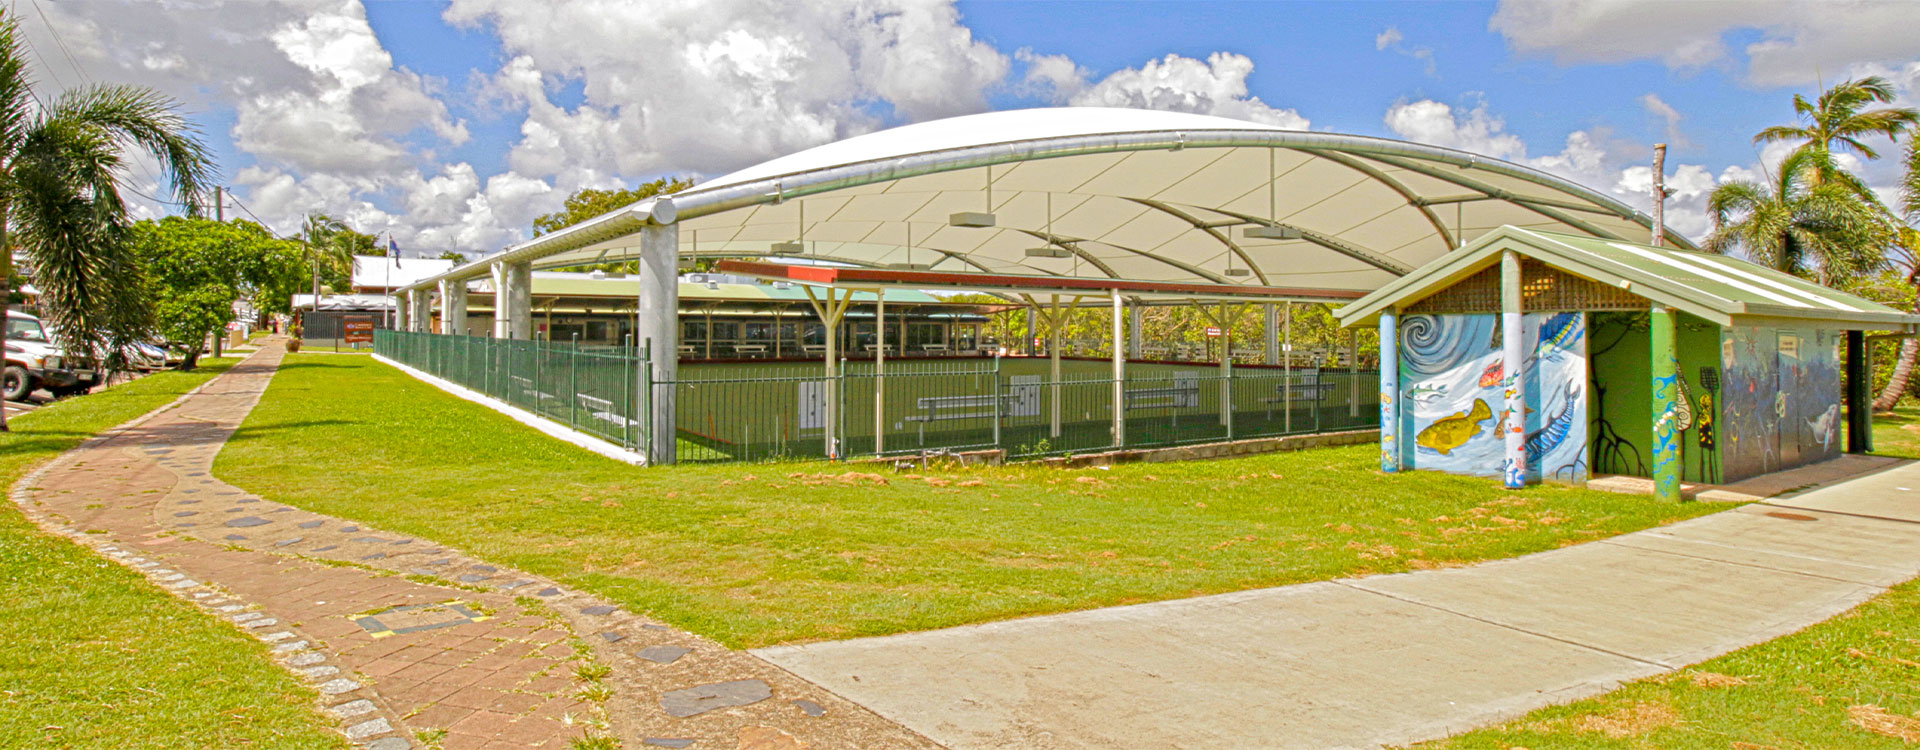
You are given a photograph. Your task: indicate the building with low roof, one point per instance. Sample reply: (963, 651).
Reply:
(1534, 355)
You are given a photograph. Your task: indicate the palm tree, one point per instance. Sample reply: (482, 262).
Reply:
(1907, 254)
(1837, 119)
(1800, 224)
(322, 235)
(60, 164)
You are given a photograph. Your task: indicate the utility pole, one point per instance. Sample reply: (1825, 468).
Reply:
(220, 204)
(1659, 194)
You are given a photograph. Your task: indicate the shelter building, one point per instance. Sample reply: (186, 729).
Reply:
(1047, 207)
(1533, 355)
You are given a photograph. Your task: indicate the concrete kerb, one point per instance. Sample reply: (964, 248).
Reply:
(530, 419)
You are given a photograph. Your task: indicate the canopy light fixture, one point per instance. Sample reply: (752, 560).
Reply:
(1270, 233)
(687, 264)
(1050, 251)
(977, 219)
(1239, 272)
(910, 266)
(788, 248)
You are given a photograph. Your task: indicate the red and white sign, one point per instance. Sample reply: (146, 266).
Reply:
(1213, 332)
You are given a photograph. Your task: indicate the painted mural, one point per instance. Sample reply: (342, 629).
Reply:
(1779, 398)
(1453, 384)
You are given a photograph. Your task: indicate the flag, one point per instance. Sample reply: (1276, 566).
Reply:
(393, 249)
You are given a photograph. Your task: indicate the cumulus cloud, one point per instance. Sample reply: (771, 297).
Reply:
(1392, 40)
(1215, 86)
(1798, 38)
(1593, 158)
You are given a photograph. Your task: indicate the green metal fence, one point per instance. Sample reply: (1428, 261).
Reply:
(783, 410)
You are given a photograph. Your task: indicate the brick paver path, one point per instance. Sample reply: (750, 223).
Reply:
(408, 642)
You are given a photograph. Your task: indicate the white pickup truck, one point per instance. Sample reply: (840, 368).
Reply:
(33, 361)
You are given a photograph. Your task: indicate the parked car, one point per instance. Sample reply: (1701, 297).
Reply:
(34, 361)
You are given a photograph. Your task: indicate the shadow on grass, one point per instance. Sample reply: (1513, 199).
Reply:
(326, 365)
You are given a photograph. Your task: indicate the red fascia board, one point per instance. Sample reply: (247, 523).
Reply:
(831, 275)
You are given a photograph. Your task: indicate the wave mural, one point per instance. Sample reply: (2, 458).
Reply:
(1453, 399)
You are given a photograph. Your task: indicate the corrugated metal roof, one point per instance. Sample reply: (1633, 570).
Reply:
(1720, 288)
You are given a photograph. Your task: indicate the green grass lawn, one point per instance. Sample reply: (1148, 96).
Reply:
(93, 656)
(776, 553)
(1898, 434)
(1853, 682)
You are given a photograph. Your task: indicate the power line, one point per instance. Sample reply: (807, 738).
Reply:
(256, 217)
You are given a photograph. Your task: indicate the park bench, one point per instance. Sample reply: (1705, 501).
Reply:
(526, 388)
(1299, 387)
(943, 408)
(752, 351)
(932, 349)
(602, 409)
(1183, 394)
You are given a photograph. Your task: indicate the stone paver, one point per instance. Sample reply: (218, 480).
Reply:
(1394, 659)
(393, 647)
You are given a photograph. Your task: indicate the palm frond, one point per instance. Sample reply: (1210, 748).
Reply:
(145, 119)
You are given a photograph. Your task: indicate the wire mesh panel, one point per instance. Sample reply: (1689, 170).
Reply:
(786, 410)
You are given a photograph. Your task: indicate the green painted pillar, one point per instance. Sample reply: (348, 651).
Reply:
(1666, 392)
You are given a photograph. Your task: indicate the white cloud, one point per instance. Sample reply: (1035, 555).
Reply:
(1660, 108)
(1475, 130)
(1215, 86)
(1054, 78)
(1391, 41)
(1800, 38)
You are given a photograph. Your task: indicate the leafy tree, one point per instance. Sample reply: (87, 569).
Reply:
(1906, 255)
(197, 269)
(1839, 119)
(589, 203)
(1799, 224)
(60, 197)
(453, 256)
(327, 255)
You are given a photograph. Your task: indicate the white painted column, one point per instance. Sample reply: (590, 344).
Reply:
(1119, 376)
(519, 278)
(1273, 333)
(880, 370)
(1053, 358)
(453, 307)
(502, 327)
(658, 324)
(420, 310)
(1136, 330)
(401, 307)
(1512, 358)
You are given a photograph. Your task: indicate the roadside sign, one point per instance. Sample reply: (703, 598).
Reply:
(1213, 332)
(359, 330)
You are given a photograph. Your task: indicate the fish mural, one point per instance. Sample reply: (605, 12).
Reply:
(1461, 353)
(1448, 433)
(1492, 375)
(1825, 425)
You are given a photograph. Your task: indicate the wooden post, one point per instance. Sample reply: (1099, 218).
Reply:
(1859, 397)
(1666, 392)
(1513, 359)
(1659, 194)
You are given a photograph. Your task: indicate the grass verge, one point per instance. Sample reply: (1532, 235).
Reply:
(93, 656)
(761, 554)
(1898, 434)
(1853, 681)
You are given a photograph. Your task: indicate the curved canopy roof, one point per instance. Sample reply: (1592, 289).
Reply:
(1106, 193)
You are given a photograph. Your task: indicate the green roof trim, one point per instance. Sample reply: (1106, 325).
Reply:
(1725, 290)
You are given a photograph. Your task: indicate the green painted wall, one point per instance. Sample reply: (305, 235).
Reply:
(1622, 400)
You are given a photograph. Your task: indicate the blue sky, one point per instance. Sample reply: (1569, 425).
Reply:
(451, 124)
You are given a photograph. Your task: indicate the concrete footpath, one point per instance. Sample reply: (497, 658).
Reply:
(1389, 660)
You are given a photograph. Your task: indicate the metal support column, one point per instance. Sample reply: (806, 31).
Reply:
(502, 328)
(1512, 342)
(880, 371)
(420, 310)
(1389, 390)
(658, 320)
(517, 307)
(453, 307)
(1666, 393)
(1119, 377)
(1136, 330)
(1053, 366)
(1859, 394)
(1273, 333)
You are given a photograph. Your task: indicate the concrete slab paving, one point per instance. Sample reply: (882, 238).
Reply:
(1388, 660)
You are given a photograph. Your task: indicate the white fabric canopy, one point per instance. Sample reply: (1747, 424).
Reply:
(1128, 194)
